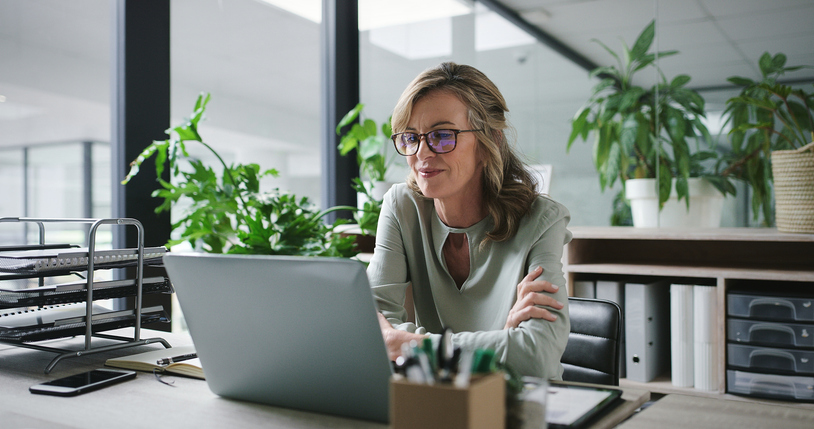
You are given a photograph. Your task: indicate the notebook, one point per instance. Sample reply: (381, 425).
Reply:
(294, 332)
(149, 361)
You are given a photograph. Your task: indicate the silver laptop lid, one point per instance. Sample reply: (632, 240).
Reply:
(288, 331)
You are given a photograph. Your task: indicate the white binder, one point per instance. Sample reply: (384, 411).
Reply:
(615, 292)
(705, 300)
(647, 320)
(584, 289)
(681, 335)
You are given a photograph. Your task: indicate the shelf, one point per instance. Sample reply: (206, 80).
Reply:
(694, 272)
(688, 234)
(663, 386)
(749, 253)
(728, 258)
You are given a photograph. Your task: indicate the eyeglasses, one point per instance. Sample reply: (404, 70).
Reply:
(439, 141)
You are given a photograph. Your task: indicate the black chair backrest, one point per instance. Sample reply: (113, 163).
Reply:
(593, 351)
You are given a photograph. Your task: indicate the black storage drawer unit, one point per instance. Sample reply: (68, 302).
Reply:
(770, 343)
(763, 307)
(770, 359)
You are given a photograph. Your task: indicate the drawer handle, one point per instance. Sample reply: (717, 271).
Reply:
(768, 358)
(772, 333)
(775, 306)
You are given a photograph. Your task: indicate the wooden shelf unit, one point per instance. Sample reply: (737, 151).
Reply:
(723, 257)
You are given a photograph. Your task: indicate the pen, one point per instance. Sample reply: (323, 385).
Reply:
(169, 360)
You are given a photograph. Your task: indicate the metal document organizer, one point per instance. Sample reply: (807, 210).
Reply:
(89, 324)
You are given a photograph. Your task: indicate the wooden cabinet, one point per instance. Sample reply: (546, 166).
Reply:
(724, 257)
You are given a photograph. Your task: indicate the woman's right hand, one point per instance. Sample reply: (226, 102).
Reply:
(394, 338)
(530, 302)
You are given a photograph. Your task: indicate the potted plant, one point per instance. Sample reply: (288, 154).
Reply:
(654, 134)
(771, 140)
(229, 214)
(371, 154)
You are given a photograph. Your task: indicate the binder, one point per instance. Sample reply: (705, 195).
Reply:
(615, 292)
(647, 322)
(681, 335)
(584, 289)
(705, 302)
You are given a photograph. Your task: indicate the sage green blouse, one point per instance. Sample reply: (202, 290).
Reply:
(409, 242)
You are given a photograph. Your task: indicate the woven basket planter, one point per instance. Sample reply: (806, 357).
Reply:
(793, 172)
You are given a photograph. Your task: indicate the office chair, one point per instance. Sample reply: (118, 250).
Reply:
(593, 351)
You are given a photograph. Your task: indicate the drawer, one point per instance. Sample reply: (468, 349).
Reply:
(767, 359)
(770, 333)
(784, 387)
(762, 307)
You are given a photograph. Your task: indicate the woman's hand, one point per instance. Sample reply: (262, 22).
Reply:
(529, 299)
(393, 338)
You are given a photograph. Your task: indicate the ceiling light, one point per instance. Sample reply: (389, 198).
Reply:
(2, 98)
(308, 9)
(382, 13)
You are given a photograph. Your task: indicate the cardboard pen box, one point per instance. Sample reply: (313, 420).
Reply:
(442, 405)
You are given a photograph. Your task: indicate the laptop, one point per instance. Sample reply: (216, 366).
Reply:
(294, 332)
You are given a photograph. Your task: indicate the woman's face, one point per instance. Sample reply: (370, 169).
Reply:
(453, 175)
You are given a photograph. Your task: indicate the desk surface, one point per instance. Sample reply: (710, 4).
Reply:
(145, 402)
(683, 411)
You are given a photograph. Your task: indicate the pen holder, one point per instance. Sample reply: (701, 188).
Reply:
(441, 405)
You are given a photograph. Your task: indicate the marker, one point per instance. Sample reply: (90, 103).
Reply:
(464, 370)
(169, 360)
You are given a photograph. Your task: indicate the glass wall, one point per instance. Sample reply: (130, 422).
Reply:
(55, 114)
(542, 88)
(261, 65)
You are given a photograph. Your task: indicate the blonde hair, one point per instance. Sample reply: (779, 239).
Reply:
(508, 188)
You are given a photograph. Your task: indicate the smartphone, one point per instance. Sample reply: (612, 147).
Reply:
(84, 382)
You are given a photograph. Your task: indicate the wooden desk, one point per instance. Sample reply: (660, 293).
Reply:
(140, 403)
(683, 411)
(146, 403)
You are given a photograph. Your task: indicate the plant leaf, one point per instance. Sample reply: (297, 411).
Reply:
(643, 42)
(741, 81)
(680, 81)
(577, 125)
(665, 185)
(349, 117)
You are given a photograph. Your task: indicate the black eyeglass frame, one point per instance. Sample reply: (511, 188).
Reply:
(420, 135)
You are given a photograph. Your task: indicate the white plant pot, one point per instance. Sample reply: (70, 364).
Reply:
(378, 191)
(706, 205)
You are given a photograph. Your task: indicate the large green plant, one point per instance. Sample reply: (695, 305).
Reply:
(766, 116)
(371, 155)
(640, 132)
(229, 214)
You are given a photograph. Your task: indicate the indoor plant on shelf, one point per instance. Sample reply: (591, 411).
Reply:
(654, 134)
(229, 214)
(771, 139)
(371, 154)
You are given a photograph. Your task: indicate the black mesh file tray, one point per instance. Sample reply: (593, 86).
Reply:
(29, 315)
(76, 292)
(69, 320)
(54, 261)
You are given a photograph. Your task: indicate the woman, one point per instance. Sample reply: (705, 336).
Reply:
(481, 249)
